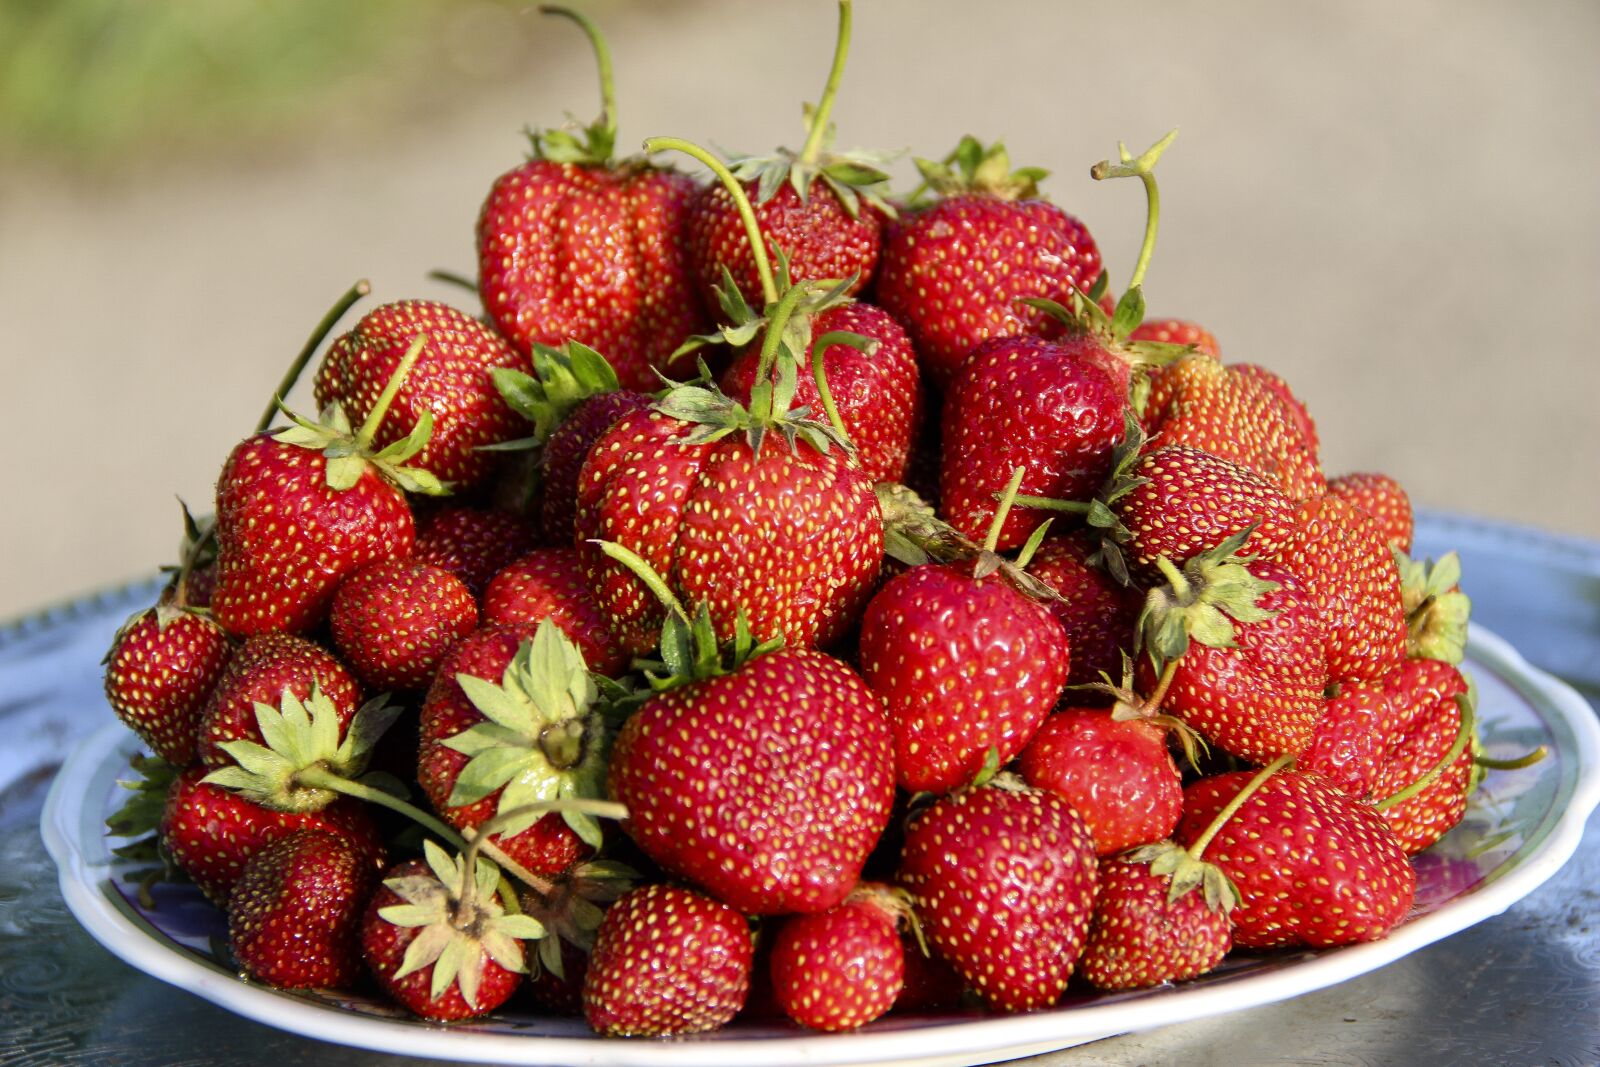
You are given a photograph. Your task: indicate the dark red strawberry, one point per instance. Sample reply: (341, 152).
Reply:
(1381, 497)
(954, 272)
(667, 961)
(440, 942)
(1004, 881)
(1142, 936)
(575, 246)
(561, 461)
(841, 968)
(294, 915)
(549, 584)
(394, 621)
(162, 666)
(261, 672)
(452, 383)
(1097, 612)
(767, 786)
(1177, 332)
(471, 543)
(1426, 696)
(211, 833)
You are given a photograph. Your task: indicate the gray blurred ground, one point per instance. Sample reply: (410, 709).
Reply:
(1393, 205)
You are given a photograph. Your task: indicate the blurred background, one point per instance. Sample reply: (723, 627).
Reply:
(1392, 205)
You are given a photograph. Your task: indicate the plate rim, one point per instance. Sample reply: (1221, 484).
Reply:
(81, 877)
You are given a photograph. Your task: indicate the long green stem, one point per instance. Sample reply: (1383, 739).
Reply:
(602, 56)
(322, 778)
(1198, 848)
(752, 229)
(641, 569)
(1142, 168)
(1003, 509)
(335, 313)
(818, 348)
(369, 428)
(819, 118)
(1046, 503)
(1463, 738)
(776, 322)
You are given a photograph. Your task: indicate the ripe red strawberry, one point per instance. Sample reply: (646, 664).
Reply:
(1177, 332)
(965, 665)
(954, 272)
(441, 943)
(1097, 613)
(561, 461)
(452, 382)
(666, 961)
(1313, 866)
(575, 246)
(767, 786)
(1381, 497)
(1291, 404)
(841, 968)
(1117, 774)
(1339, 554)
(394, 621)
(1350, 737)
(1140, 936)
(1240, 417)
(1004, 882)
(294, 915)
(548, 583)
(790, 537)
(471, 543)
(508, 722)
(160, 669)
(260, 672)
(211, 833)
(878, 395)
(1425, 695)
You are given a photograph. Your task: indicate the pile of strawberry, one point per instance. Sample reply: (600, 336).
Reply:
(948, 630)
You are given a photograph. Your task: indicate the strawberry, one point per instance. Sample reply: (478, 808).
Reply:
(575, 246)
(1426, 695)
(1004, 881)
(510, 721)
(548, 583)
(393, 621)
(953, 272)
(294, 915)
(300, 509)
(441, 943)
(1349, 740)
(667, 961)
(262, 671)
(1142, 935)
(767, 786)
(1097, 613)
(1178, 332)
(841, 968)
(160, 669)
(471, 543)
(1116, 773)
(452, 382)
(211, 833)
(1313, 867)
(1381, 497)
(561, 461)
(1291, 404)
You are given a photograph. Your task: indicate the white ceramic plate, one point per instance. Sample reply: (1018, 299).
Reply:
(1521, 827)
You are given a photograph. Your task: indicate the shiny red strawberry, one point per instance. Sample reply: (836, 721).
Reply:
(561, 461)
(575, 246)
(841, 968)
(294, 915)
(261, 672)
(1426, 695)
(1348, 743)
(1097, 612)
(1004, 881)
(452, 382)
(471, 543)
(1177, 332)
(1381, 497)
(548, 583)
(160, 669)
(1141, 936)
(667, 961)
(767, 786)
(394, 621)
(1292, 405)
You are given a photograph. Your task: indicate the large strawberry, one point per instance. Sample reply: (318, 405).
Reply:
(1004, 881)
(1430, 730)
(954, 272)
(300, 509)
(548, 584)
(294, 916)
(575, 246)
(768, 785)
(395, 620)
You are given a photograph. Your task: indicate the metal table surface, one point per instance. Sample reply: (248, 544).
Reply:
(1522, 988)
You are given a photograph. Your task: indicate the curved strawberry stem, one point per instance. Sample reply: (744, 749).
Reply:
(1143, 168)
(818, 134)
(360, 289)
(1198, 847)
(369, 428)
(1152, 703)
(747, 214)
(773, 338)
(1463, 738)
(1516, 764)
(603, 809)
(820, 346)
(647, 574)
(602, 56)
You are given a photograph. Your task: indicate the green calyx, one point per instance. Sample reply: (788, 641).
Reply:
(1437, 611)
(349, 453)
(1186, 872)
(914, 534)
(460, 922)
(1201, 602)
(973, 168)
(543, 738)
(140, 813)
(572, 907)
(586, 145)
(302, 739)
(562, 379)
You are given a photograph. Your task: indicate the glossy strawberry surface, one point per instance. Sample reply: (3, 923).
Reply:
(294, 915)
(159, 674)
(393, 622)
(261, 671)
(548, 583)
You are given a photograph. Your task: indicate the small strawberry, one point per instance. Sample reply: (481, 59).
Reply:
(440, 942)
(1349, 740)
(452, 382)
(954, 272)
(1381, 497)
(471, 543)
(561, 461)
(162, 665)
(575, 246)
(667, 961)
(1144, 934)
(261, 672)
(1178, 332)
(1004, 881)
(1098, 613)
(842, 968)
(548, 583)
(294, 915)
(393, 621)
